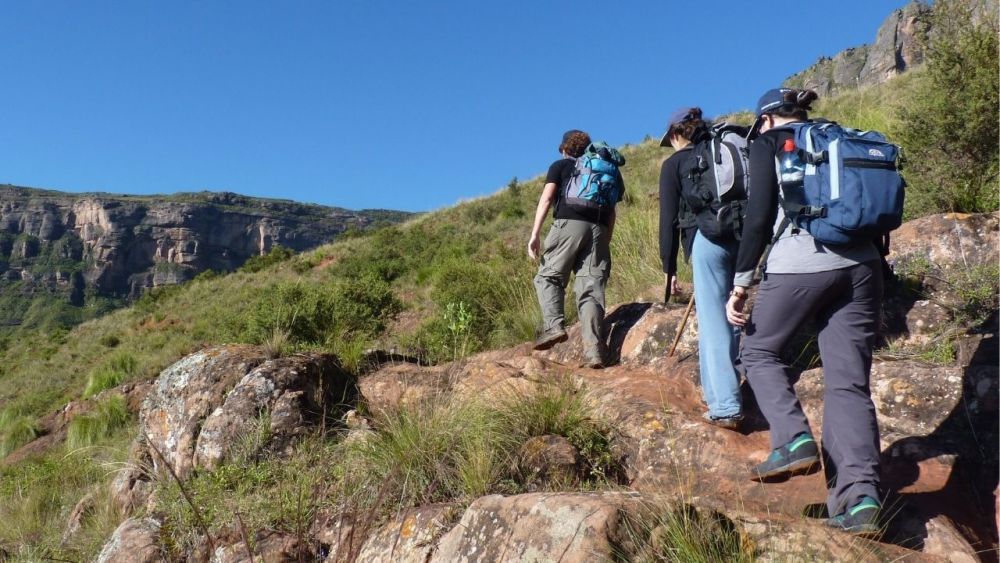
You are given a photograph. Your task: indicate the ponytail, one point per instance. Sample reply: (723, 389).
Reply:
(796, 104)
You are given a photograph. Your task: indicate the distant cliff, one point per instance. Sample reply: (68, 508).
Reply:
(897, 47)
(77, 246)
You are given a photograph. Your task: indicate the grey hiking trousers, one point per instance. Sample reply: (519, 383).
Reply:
(583, 248)
(845, 304)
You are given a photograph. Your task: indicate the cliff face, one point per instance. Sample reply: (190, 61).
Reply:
(74, 246)
(897, 47)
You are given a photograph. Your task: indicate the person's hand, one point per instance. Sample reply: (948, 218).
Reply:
(735, 305)
(673, 286)
(534, 247)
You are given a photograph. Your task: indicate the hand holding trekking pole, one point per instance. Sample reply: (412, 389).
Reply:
(673, 287)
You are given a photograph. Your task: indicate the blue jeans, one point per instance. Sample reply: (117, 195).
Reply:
(718, 341)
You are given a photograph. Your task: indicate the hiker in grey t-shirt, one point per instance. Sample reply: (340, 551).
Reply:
(838, 286)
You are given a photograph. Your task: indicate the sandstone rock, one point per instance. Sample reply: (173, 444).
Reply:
(127, 245)
(545, 460)
(536, 527)
(184, 396)
(410, 537)
(134, 541)
(402, 384)
(949, 243)
(80, 512)
(214, 400)
(896, 49)
(270, 547)
(295, 392)
(635, 334)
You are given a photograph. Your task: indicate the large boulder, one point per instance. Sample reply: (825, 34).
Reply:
(136, 540)
(564, 527)
(204, 405)
(635, 334)
(223, 402)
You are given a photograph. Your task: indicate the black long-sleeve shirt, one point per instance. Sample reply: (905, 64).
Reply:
(670, 202)
(793, 253)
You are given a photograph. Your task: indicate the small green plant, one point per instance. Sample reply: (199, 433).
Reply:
(108, 415)
(458, 318)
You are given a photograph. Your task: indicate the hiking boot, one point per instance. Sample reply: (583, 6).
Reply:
(731, 422)
(550, 338)
(859, 520)
(798, 457)
(595, 360)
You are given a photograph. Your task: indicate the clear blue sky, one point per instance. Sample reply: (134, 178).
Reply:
(371, 103)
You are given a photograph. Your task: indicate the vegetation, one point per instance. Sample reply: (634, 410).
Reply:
(681, 532)
(949, 122)
(441, 286)
(439, 451)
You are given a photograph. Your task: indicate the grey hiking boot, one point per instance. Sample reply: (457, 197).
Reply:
(594, 359)
(550, 338)
(859, 520)
(798, 457)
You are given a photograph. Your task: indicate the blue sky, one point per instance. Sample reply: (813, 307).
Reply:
(371, 103)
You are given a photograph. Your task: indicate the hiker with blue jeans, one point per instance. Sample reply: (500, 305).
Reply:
(713, 262)
(840, 286)
(579, 241)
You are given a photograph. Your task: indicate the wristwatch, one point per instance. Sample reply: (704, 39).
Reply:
(741, 294)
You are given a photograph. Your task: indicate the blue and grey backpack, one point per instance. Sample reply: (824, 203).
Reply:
(596, 181)
(851, 190)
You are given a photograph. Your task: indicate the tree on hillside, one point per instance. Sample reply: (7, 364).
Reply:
(949, 126)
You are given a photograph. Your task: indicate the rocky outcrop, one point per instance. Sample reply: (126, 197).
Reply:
(136, 540)
(896, 49)
(939, 456)
(228, 401)
(119, 246)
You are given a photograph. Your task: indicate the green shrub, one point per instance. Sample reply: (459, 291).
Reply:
(277, 255)
(107, 416)
(950, 121)
(319, 313)
(121, 367)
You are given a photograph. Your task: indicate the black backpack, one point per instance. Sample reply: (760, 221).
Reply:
(717, 183)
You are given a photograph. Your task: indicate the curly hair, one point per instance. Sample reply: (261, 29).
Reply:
(574, 142)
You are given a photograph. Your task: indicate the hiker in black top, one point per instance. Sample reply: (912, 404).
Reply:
(559, 173)
(579, 242)
(838, 286)
(712, 264)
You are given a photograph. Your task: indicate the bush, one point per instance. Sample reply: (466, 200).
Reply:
(949, 124)
(108, 415)
(319, 313)
(277, 255)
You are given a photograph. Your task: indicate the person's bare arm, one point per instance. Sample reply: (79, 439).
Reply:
(544, 203)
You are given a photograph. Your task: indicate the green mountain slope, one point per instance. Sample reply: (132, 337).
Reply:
(440, 286)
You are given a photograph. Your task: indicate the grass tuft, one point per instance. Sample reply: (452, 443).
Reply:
(88, 429)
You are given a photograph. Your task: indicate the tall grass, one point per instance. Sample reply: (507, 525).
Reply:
(680, 532)
(107, 416)
(16, 430)
(119, 368)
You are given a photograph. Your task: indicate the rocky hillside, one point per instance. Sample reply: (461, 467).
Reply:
(75, 248)
(664, 485)
(897, 48)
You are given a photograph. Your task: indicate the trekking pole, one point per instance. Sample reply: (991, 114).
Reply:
(680, 329)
